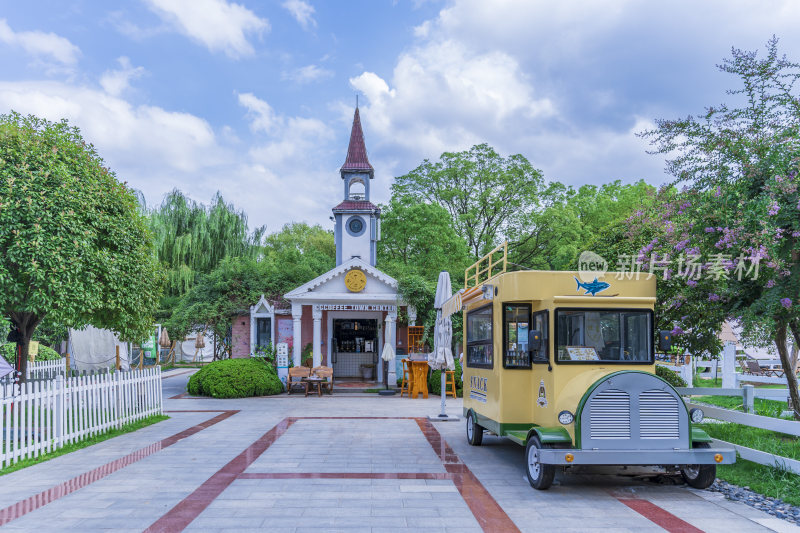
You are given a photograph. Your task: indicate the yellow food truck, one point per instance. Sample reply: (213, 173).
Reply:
(565, 367)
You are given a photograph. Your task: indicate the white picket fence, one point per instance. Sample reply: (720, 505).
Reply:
(46, 415)
(46, 369)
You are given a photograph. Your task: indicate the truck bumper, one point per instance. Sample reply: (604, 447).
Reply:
(695, 456)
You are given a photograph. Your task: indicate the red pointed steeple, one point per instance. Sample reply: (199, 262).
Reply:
(357, 150)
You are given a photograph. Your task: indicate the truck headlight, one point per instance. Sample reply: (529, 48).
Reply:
(696, 415)
(565, 417)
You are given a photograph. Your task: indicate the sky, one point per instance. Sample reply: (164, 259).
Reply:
(255, 99)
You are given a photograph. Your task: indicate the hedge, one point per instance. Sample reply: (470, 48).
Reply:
(670, 376)
(46, 353)
(235, 378)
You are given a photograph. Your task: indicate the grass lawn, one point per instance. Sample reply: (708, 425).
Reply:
(756, 438)
(763, 480)
(771, 408)
(85, 443)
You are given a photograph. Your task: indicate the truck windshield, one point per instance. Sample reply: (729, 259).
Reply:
(600, 335)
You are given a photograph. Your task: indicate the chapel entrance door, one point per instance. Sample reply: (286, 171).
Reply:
(355, 348)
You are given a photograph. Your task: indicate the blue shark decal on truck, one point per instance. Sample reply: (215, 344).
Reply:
(592, 288)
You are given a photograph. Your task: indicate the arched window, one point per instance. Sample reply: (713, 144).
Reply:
(357, 190)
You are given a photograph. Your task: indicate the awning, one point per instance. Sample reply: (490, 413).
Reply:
(460, 299)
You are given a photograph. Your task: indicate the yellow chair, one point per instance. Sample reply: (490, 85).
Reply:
(405, 385)
(450, 383)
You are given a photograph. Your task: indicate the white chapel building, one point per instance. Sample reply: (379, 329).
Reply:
(349, 313)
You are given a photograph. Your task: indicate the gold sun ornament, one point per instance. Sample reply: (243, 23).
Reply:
(355, 280)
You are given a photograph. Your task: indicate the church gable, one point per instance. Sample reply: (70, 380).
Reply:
(333, 283)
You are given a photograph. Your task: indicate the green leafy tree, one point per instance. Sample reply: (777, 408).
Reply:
(191, 239)
(486, 195)
(75, 247)
(740, 163)
(291, 257)
(417, 242)
(569, 220)
(304, 252)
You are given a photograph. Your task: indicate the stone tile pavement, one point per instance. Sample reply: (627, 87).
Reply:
(342, 463)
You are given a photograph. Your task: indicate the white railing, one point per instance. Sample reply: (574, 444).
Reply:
(46, 415)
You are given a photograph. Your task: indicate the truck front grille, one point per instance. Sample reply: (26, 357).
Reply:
(610, 415)
(658, 415)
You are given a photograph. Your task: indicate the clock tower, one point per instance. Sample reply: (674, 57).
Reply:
(356, 219)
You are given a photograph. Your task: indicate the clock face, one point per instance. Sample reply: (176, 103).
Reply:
(356, 225)
(355, 280)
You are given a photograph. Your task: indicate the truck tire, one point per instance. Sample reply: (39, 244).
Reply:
(699, 476)
(474, 431)
(539, 476)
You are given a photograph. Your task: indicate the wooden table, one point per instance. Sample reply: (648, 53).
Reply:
(314, 382)
(419, 378)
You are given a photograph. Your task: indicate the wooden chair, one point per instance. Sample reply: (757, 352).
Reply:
(326, 373)
(754, 368)
(298, 372)
(743, 366)
(405, 385)
(450, 383)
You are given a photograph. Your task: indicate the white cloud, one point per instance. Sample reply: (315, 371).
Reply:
(307, 74)
(303, 12)
(115, 82)
(443, 96)
(144, 144)
(44, 46)
(217, 24)
(261, 115)
(281, 175)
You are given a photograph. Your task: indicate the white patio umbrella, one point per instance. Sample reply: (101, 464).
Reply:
(442, 356)
(388, 356)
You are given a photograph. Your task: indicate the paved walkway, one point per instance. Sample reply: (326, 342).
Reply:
(347, 462)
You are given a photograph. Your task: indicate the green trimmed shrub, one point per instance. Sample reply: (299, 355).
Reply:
(235, 378)
(435, 381)
(46, 353)
(670, 376)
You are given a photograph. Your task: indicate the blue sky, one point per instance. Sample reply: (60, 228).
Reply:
(255, 98)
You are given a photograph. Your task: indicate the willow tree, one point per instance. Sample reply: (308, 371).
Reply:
(192, 238)
(76, 248)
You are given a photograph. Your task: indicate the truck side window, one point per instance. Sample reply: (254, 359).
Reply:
(516, 325)
(479, 338)
(541, 322)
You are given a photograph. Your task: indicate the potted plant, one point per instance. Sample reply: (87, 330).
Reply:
(367, 371)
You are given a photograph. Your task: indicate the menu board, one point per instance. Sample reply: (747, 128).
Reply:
(582, 353)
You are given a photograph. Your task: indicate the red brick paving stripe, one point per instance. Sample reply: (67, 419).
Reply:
(180, 516)
(485, 509)
(23, 507)
(345, 475)
(660, 516)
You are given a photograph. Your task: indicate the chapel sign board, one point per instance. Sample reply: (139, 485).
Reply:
(354, 307)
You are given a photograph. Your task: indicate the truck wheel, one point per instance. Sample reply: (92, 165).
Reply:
(474, 431)
(699, 476)
(539, 476)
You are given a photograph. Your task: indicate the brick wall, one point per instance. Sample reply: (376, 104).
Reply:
(240, 336)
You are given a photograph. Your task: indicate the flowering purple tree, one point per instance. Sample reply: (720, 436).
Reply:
(740, 208)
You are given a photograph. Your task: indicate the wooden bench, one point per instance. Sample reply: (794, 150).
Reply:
(297, 375)
(326, 373)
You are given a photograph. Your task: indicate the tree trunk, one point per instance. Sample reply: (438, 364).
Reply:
(791, 377)
(26, 324)
(795, 327)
